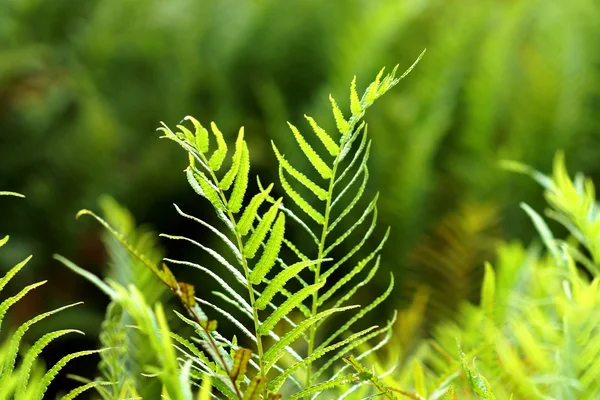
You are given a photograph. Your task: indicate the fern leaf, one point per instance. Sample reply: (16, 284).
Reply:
(77, 391)
(341, 123)
(330, 384)
(303, 179)
(235, 165)
(276, 383)
(271, 251)
(371, 92)
(5, 193)
(201, 185)
(359, 267)
(362, 169)
(216, 160)
(488, 291)
(13, 347)
(201, 134)
(370, 208)
(353, 203)
(301, 223)
(52, 372)
(237, 274)
(231, 318)
(245, 306)
(279, 281)
(276, 351)
(327, 141)
(357, 154)
(287, 306)
(303, 204)
(240, 363)
(217, 232)
(86, 274)
(361, 312)
(259, 234)
(6, 304)
(355, 105)
(241, 182)
(544, 232)
(351, 345)
(450, 394)
(250, 212)
(32, 355)
(316, 161)
(13, 271)
(255, 389)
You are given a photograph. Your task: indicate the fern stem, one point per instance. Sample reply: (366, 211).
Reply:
(244, 263)
(315, 297)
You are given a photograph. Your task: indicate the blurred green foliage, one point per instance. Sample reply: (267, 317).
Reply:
(83, 85)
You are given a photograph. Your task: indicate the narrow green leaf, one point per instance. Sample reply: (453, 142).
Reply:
(450, 394)
(359, 267)
(201, 185)
(271, 251)
(218, 156)
(370, 208)
(5, 193)
(276, 383)
(277, 350)
(90, 385)
(419, 379)
(235, 164)
(287, 306)
(206, 389)
(251, 211)
(488, 289)
(356, 343)
(52, 372)
(259, 234)
(4, 240)
(189, 136)
(371, 93)
(545, 233)
(341, 123)
(303, 179)
(241, 182)
(32, 355)
(255, 389)
(303, 204)
(201, 134)
(13, 271)
(279, 281)
(355, 106)
(6, 304)
(330, 384)
(316, 161)
(361, 313)
(327, 141)
(99, 283)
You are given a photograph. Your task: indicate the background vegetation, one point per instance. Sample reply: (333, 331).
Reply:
(83, 85)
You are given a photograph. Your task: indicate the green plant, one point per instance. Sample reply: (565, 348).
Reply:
(28, 379)
(282, 326)
(535, 333)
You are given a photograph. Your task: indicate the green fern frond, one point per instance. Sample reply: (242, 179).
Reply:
(26, 378)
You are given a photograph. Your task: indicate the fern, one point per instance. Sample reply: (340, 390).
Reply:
(534, 334)
(254, 232)
(27, 379)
